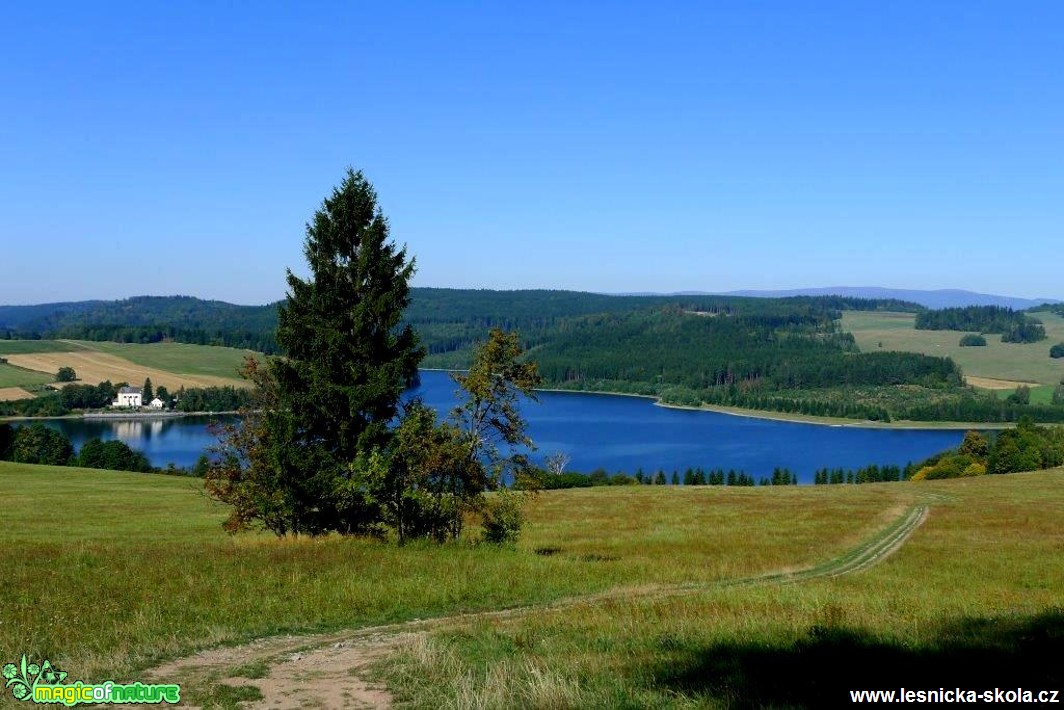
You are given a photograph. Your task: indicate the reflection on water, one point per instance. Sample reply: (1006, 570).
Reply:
(177, 440)
(129, 430)
(612, 432)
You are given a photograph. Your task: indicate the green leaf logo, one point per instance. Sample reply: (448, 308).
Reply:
(22, 678)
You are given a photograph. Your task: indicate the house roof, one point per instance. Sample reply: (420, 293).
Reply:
(129, 390)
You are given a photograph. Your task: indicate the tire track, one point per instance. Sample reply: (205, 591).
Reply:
(324, 670)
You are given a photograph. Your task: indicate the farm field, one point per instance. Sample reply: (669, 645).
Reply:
(12, 376)
(996, 366)
(181, 358)
(172, 365)
(18, 347)
(646, 596)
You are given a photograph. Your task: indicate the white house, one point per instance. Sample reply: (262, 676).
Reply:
(128, 397)
(156, 403)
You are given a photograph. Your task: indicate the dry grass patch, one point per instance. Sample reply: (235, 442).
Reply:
(93, 367)
(989, 383)
(8, 394)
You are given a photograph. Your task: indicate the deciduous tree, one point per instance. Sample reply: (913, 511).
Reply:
(39, 444)
(490, 413)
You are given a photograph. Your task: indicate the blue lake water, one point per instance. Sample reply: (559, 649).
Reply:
(605, 431)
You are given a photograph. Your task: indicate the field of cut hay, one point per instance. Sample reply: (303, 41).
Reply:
(94, 367)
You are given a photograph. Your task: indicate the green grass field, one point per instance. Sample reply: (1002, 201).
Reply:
(1026, 362)
(23, 347)
(108, 573)
(11, 376)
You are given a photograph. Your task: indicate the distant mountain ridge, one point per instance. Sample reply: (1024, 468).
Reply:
(941, 298)
(189, 311)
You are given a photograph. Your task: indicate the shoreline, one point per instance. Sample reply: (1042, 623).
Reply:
(901, 424)
(767, 415)
(791, 418)
(119, 416)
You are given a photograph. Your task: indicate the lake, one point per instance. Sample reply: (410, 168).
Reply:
(613, 432)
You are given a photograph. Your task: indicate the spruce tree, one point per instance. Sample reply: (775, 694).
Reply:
(346, 362)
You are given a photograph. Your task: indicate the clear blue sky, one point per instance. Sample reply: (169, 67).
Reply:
(167, 148)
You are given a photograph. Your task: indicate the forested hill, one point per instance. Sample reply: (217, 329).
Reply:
(784, 354)
(146, 319)
(449, 319)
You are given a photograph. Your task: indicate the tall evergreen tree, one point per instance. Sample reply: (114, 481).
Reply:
(347, 360)
(346, 363)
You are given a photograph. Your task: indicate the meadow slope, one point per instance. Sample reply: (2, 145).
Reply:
(140, 572)
(1005, 363)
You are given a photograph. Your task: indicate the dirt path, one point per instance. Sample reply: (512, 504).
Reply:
(326, 670)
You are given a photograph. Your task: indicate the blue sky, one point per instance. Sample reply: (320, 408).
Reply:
(164, 148)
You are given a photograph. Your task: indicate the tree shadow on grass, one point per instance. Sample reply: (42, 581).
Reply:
(819, 670)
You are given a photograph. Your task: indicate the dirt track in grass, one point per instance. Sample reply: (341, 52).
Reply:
(329, 670)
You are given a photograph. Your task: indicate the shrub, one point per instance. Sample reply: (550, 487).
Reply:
(503, 516)
(973, 340)
(1057, 351)
(568, 479)
(1022, 395)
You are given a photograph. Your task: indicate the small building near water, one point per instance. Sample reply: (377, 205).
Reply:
(128, 397)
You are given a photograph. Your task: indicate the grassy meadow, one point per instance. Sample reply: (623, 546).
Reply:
(975, 598)
(11, 376)
(108, 573)
(24, 347)
(1011, 362)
